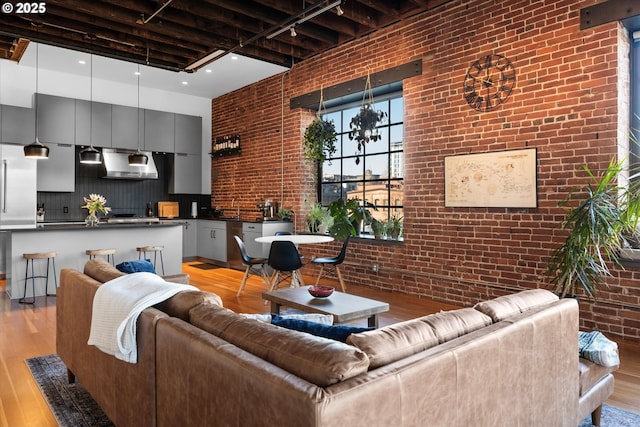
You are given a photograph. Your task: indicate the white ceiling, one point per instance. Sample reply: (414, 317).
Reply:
(224, 75)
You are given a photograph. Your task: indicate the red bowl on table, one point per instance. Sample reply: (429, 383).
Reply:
(320, 291)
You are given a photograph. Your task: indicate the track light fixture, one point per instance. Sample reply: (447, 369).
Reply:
(339, 10)
(287, 25)
(293, 32)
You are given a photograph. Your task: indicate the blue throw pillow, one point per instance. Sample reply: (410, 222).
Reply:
(136, 266)
(334, 332)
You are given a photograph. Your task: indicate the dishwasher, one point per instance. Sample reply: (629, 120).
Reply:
(234, 258)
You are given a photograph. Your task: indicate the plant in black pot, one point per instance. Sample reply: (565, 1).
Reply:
(603, 212)
(364, 125)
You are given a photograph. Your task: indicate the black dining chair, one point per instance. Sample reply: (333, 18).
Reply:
(284, 259)
(254, 265)
(333, 262)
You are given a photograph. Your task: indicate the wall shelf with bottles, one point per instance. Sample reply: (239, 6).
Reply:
(226, 146)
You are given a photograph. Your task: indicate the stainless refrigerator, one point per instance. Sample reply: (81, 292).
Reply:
(18, 188)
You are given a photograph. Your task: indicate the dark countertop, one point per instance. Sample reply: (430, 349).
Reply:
(80, 225)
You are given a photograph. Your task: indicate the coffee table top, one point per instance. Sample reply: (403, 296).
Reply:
(344, 307)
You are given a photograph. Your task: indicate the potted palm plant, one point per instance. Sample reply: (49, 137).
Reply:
(604, 212)
(316, 217)
(394, 226)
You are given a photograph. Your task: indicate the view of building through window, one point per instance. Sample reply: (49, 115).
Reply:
(375, 174)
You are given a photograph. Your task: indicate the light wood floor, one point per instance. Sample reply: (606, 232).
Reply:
(28, 331)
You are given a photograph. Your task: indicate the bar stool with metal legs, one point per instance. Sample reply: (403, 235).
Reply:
(50, 257)
(108, 252)
(155, 249)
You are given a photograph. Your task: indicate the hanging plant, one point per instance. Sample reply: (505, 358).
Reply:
(364, 125)
(320, 137)
(319, 141)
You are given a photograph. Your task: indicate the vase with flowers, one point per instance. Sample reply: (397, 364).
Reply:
(95, 203)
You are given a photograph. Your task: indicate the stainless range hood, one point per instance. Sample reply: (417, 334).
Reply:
(116, 165)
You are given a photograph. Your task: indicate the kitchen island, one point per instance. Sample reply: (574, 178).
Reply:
(71, 240)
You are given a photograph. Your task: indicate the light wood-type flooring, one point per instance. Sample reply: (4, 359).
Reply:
(28, 331)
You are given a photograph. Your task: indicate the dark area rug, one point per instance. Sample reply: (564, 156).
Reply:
(614, 417)
(205, 266)
(71, 404)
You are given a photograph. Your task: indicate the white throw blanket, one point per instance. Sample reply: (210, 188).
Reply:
(117, 305)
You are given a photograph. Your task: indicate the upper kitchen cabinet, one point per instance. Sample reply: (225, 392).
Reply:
(56, 119)
(186, 174)
(159, 131)
(58, 172)
(126, 122)
(188, 134)
(18, 125)
(94, 117)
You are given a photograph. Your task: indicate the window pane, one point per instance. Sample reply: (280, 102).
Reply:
(397, 110)
(397, 165)
(335, 116)
(330, 193)
(396, 137)
(380, 146)
(351, 170)
(331, 172)
(377, 166)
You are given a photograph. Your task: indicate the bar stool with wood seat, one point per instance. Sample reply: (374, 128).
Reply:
(31, 257)
(109, 253)
(142, 251)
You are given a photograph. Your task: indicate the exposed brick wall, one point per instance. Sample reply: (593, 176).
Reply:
(565, 104)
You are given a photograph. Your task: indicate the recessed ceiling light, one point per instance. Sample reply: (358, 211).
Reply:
(82, 62)
(234, 57)
(137, 73)
(185, 83)
(208, 70)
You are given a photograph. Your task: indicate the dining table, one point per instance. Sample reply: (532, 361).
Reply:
(297, 239)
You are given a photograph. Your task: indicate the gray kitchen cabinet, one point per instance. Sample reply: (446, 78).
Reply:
(127, 126)
(18, 125)
(58, 173)
(94, 117)
(56, 119)
(159, 131)
(188, 134)
(190, 238)
(186, 174)
(212, 240)
(251, 231)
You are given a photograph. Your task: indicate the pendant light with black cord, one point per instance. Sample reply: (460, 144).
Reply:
(36, 150)
(138, 158)
(90, 156)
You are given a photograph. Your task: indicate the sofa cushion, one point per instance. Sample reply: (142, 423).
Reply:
(591, 374)
(503, 307)
(180, 304)
(400, 340)
(136, 266)
(100, 270)
(318, 360)
(333, 332)
(325, 319)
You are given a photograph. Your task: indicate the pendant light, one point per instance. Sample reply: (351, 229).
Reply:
(90, 156)
(36, 150)
(138, 158)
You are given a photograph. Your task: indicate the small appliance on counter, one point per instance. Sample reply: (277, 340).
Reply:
(168, 209)
(269, 209)
(194, 209)
(40, 213)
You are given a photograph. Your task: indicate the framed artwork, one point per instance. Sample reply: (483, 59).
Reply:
(498, 179)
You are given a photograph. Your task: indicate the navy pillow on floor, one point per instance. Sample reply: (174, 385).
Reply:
(334, 332)
(136, 266)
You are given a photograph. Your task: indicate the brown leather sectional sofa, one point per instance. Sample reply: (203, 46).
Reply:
(509, 361)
